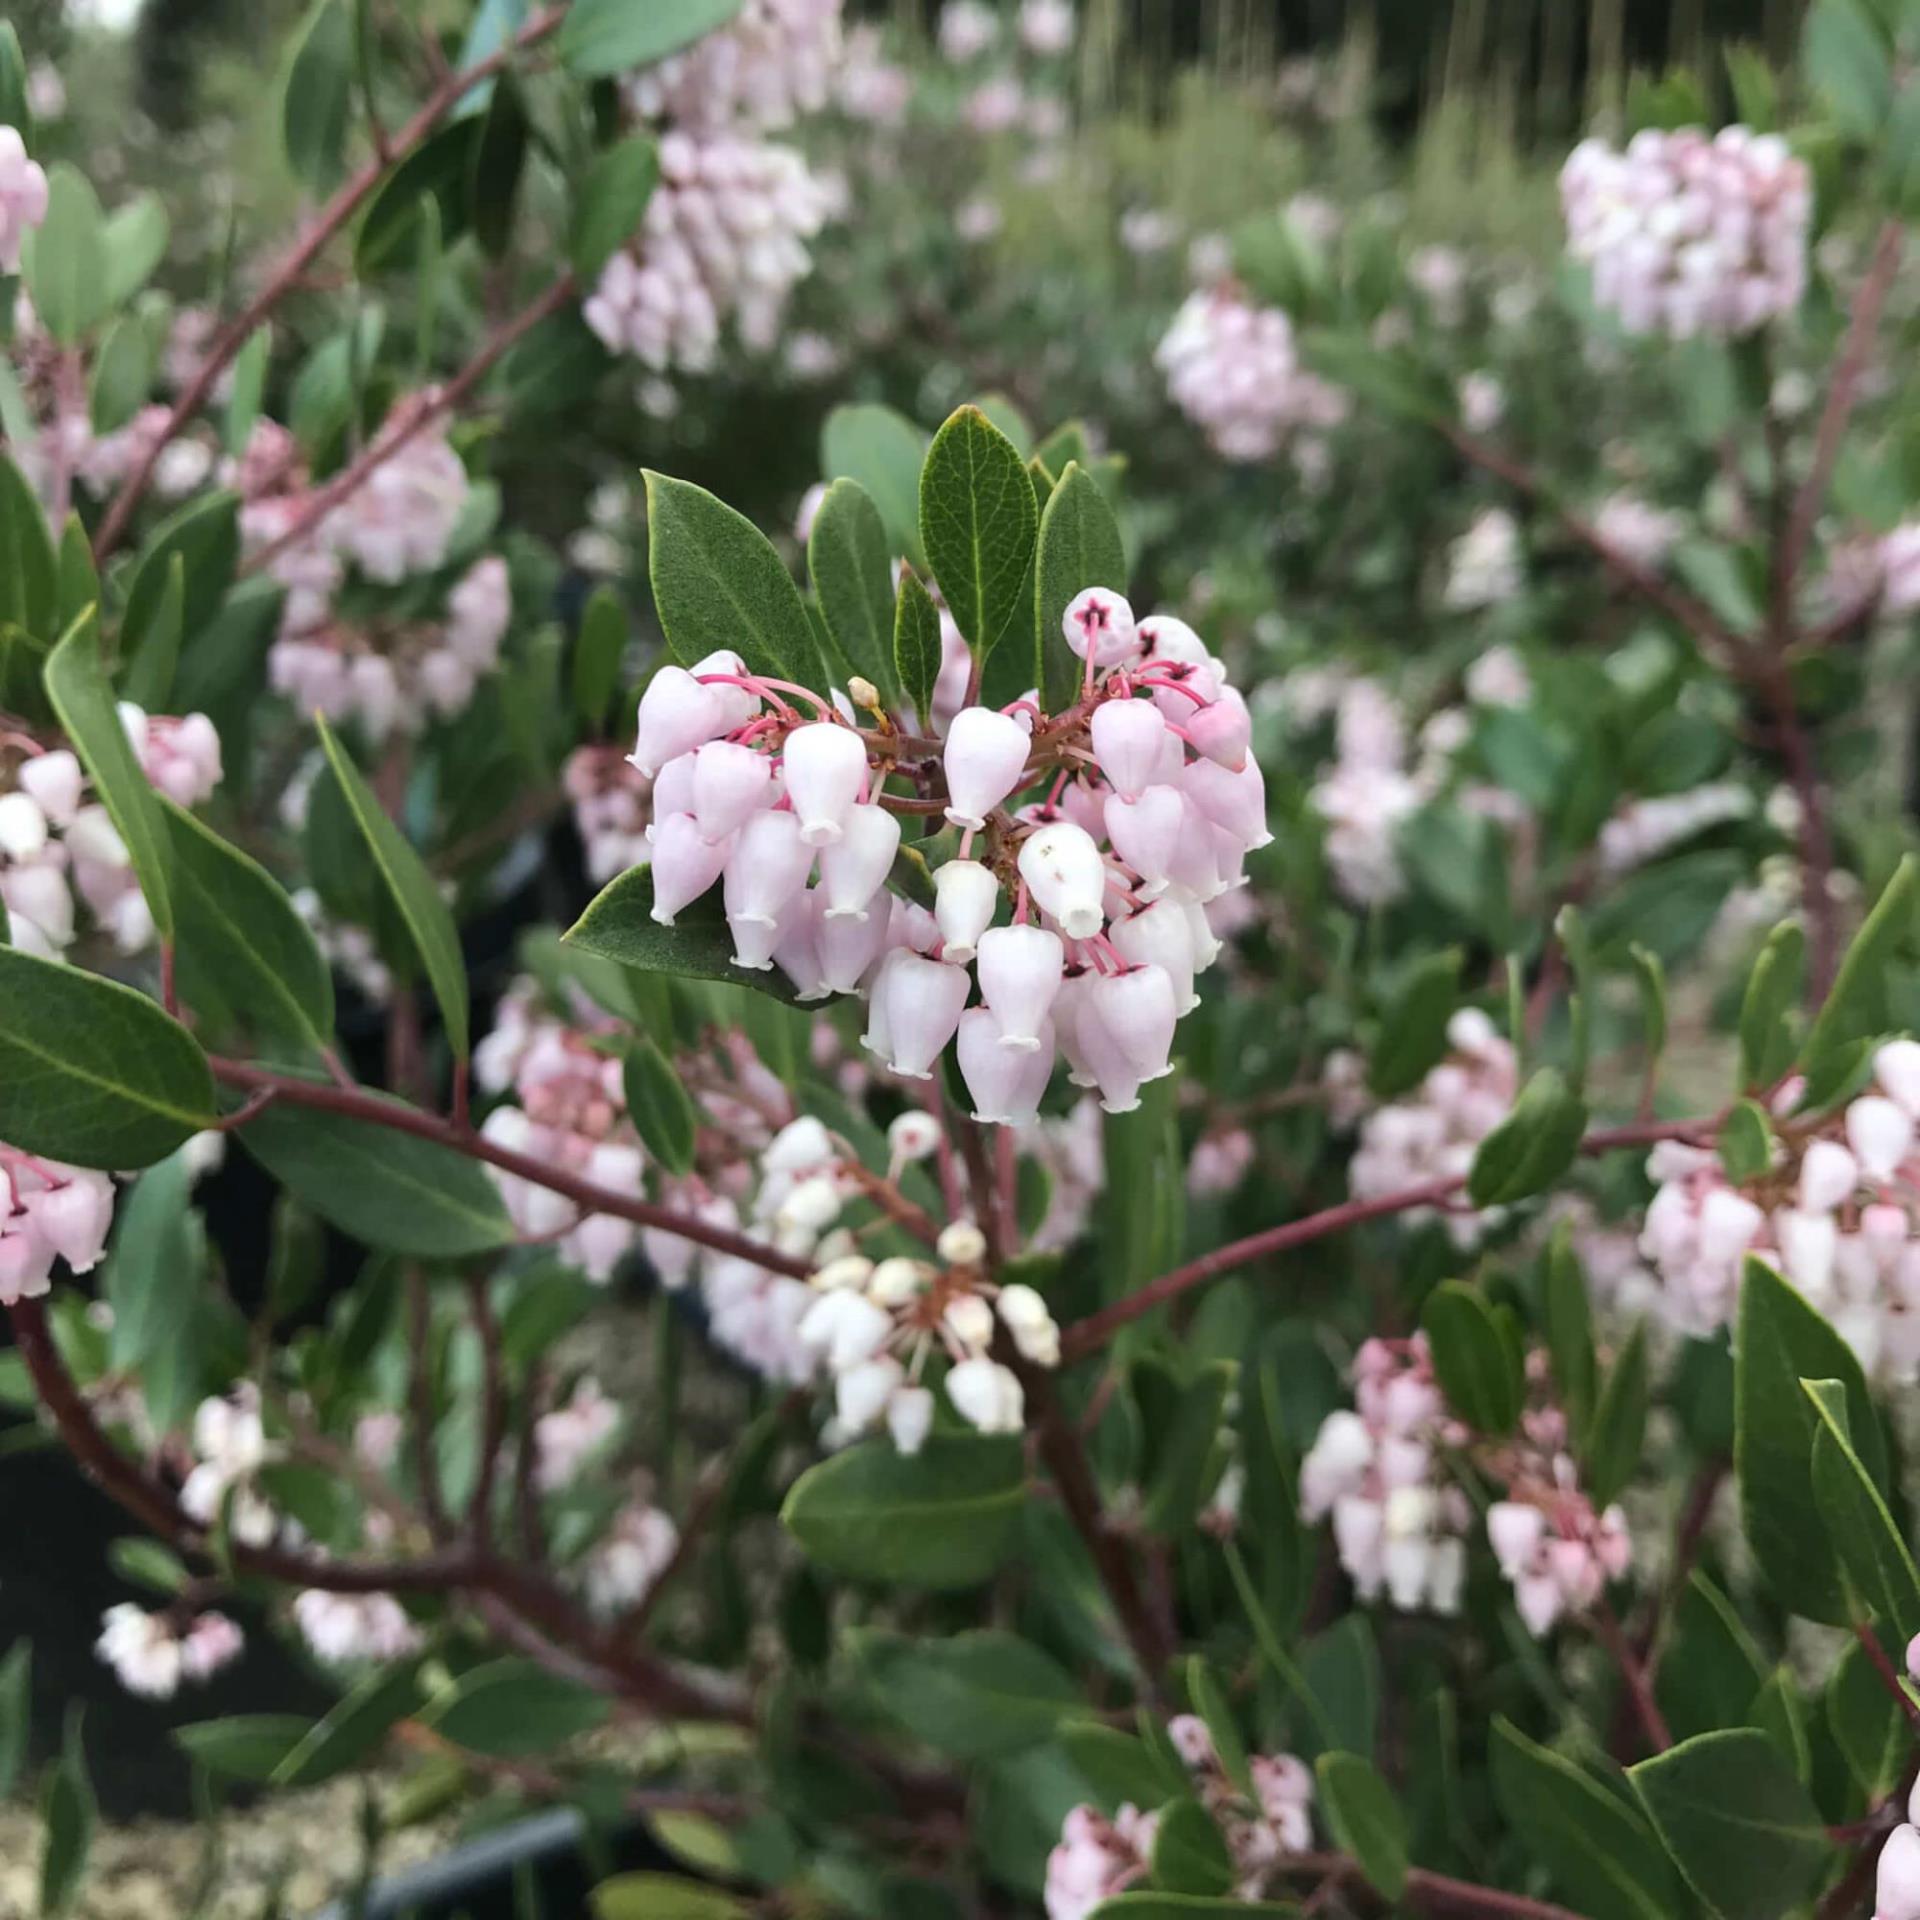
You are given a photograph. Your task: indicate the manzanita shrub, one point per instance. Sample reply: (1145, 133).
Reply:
(1083, 1263)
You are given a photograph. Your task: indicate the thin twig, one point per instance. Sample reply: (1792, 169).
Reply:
(1653, 1723)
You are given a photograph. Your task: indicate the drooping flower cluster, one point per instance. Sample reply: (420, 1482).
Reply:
(1434, 1133)
(346, 1629)
(1104, 940)
(1838, 1212)
(1398, 1525)
(1484, 564)
(48, 1212)
(1366, 794)
(773, 62)
(23, 196)
(1637, 530)
(1097, 1858)
(230, 1447)
(152, 1653)
(611, 809)
(626, 1562)
(1689, 233)
(1233, 369)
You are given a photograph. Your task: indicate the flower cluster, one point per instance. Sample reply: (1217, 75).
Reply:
(1097, 1858)
(1366, 795)
(1434, 1134)
(626, 1562)
(23, 196)
(345, 1629)
(48, 1212)
(230, 1447)
(1104, 941)
(1689, 233)
(1375, 1469)
(874, 1325)
(774, 62)
(1484, 564)
(152, 1653)
(1837, 1212)
(611, 809)
(1636, 530)
(1233, 369)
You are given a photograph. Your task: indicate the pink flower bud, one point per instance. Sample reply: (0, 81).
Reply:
(854, 868)
(1099, 622)
(1880, 1133)
(1234, 802)
(923, 1003)
(54, 781)
(1896, 1894)
(729, 784)
(1020, 971)
(1221, 731)
(1828, 1175)
(685, 864)
(1129, 737)
(1514, 1530)
(677, 715)
(965, 895)
(1064, 872)
(1146, 834)
(1158, 935)
(73, 1219)
(1007, 1083)
(826, 768)
(985, 755)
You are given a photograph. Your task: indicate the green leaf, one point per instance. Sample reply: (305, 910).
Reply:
(1616, 1438)
(67, 1815)
(1210, 1702)
(978, 524)
(1079, 547)
(1118, 1767)
(1873, 1734)
(318, 95)
(610, 204)
(499, 160)
(205, 535)
(1736, 1820)
(1849, 64)
(413, 890)
(1182, 1418)
(77, 685)
(514, 1709)
(884, 452)
(1478, 1368)
(1709, 1666)
(65, 261)
(1189, 1853)
(440, 170)
(1365, 1818)
(351, 1729)
(151, 1276)
(249, 383)
(28, 589)
(247, 1746)
(1532, 1147)
(1781, 1341)
(16, 1699)
(136, 236)
(1857, 1007)
(146, 1563)
(1746, 1143)
(916, 644)
(386, 1189)
(16, 108)
(1766, 1009)
(245, 956)
(598, 653)
(619, 925)
(122, 373)
(600, 37)
(92, 1072)
(1858, 1521)
(944, 1517)
(852, 575)
(717, 582)
(1413, 1029)
(1568, 1315)
(660, 1106)
(1778, 1711)
(148, 679)
(1392, 382)
(1598, 1850)
(976, 1696)
(664, 1896)
(1187, 1906)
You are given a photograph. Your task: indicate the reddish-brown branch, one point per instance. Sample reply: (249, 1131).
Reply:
(1646, 1709)
(375, 1110)
(330, 220)
(1438, 1894)
(1816, 842)
(1877, 1657)
(352, 477)
(1084, 1336)
(493, 1408)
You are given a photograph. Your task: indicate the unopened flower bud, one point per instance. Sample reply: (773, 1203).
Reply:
(986, 1395)
(970, 1320)
(961, 1244)
(913, 1135)
(1032, 1326)
(965, 895)
(863, 693)
(850, 1270)
(898, 1281)
(910, 1418)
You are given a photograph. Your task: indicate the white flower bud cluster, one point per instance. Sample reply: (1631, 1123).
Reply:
(1434, 1134)
(1233, 369)
(1366, 795)
(1637, 530)
(230, 1447)
(345, 1629)
(1096, 1858)
(1497, 678)
(611, 809)
(1105, 940)
(48, 1212)
(627, 1561)
(23, 196)
(724, 237)
(1484, 565)
(568, 1436)
(56, 844)
(773, 62)
(1642, 830)
(1838, 1213)
(1689, 233)
(1374, 1468)
(152, 1653)
(875, 1324)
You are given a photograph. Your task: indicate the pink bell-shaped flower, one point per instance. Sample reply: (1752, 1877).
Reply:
(826, 768)
(73, 1219)
(1897, 1885)
(1020, 971)
(767, 868)
(854, 868)
(1158, 935)
(1064, 872)
(924, 999)
(1146, 834)
(54, 781)
(1235, 802)
(1007, 1082)
(677, 715)
(1129, 737)
(796, 952)
(730, 784)
(848, 948)
(1126, 1028)
(685, 864)
(985, 755)
(965, 895)
(738, 705)
(1222, 730)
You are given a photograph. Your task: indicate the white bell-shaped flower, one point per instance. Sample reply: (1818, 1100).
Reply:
(826, 768)
(1145, 833)
(1099, 622)
(1066, 876)
(910, 1418)
(985, 755)
(1897, 1882)
(924, 1001)
(847, 949)
(1234, 802)
(23, 827)
(1033, 1328)
(677, 715)
(965, 895)
(1159, 935)
(1007, 1082)
(730, 784)
(1129, 739)
(862, 1394)
(685, 864)
(1515, 1529)
(1896, 1065)
(986, 1395)
(1020, 970)
(55, 782)
(845, 1328)
(1222, 730)
(767, 868)
(738, 705)
(1880, 1134)
(854, 867)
